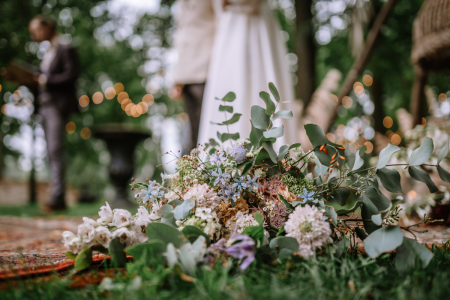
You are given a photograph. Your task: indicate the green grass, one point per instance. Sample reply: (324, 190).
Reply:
(320, 278)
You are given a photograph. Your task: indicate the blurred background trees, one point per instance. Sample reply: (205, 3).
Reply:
(125, 46)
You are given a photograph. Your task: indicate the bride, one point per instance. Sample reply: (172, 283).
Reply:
(248, 53)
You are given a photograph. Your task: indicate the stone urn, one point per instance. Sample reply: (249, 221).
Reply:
(121, 142)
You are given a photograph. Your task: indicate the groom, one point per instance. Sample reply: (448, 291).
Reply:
(194, 36)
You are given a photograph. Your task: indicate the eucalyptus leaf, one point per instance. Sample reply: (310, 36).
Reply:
(192, 233)
(283, 150)
(165, 233)
(285, 253)
(385, 155)
(342, 212)
(284, 242)
(270, 106)
(383, 240)
(409, 253)
(390, 179)
(330, 212)
(275, 132)
(259, 219)
(226, 108)
(445, 176)
(229, 97)
(268, 146)
(148, 249)
(259, 118)
(286, 203)
(117, 253)
(274, 91)
(255, 136)
(368, 209)
(318, 138)
(166, 211)
(443, 153)
(376, 219)
(361, 233)
(421, 175)
(340, 197)
(228, 136)
(283, 114)
(380, 201)
(83, 259)
(320, 169)
(182, 211)
(359, 162)
(296, 145)
(235, 118)
(423, 153)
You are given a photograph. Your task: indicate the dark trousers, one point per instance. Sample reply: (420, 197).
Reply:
(193, 97)
(54, 125)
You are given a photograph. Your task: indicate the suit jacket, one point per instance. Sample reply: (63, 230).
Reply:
(195, 26)
(62, 75)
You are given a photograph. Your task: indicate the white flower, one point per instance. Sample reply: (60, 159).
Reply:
(122, 218)
(140, 232)
(309, 227)
(170, 196)
(72, 242)
(106, 215)
(203, 195)
(86, 231)
(203, 213)
(143, 217)
(155, 208)
(125, 235)
(103, 236)
(241, 222)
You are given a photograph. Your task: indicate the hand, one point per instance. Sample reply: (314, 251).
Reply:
(176, 92)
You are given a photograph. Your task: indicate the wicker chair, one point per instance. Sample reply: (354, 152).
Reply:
(431, 49)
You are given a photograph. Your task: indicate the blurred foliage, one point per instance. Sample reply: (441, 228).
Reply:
(103, 58)
(137, 60)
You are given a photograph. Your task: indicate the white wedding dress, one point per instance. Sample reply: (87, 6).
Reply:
(248, 53)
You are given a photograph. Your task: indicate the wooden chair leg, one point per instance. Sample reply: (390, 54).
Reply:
(418, 96)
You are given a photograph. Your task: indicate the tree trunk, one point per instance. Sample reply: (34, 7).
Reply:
(305, 49)
(418, 96)
(378, 113)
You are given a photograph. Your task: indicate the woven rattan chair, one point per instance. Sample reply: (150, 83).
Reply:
(431, 49)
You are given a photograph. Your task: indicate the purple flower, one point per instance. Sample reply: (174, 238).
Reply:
(243, 249)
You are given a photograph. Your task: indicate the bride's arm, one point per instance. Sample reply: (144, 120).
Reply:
(242, 6)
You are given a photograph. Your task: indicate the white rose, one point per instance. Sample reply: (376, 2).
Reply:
(125, 235)
(140, 231)
(103, 236)
(73, 243)
(122, 218)
(143, 217)
(106, 215)
(86, 231)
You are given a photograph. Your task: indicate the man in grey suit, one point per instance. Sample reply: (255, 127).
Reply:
(56, 100)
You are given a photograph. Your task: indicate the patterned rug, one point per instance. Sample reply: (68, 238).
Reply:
(33, 242)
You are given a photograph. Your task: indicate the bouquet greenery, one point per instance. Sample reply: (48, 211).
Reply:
(250, 202)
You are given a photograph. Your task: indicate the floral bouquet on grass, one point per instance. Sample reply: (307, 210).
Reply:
(251, 202)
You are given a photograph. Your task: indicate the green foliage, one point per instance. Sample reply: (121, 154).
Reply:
(149, 250)
(274, 92)
(383, 240)
(117, 252)
(409, 254)
(70, 255)
(256, 232)
(390, 179)
(423, 153)
(421, 175)
(385, 155)
(270, 106)
(192, 233)
(83, 259)
(359, 162)
(182, 210)
(165, 233)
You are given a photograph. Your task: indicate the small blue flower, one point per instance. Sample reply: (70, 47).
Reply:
(231, 194)
(238, 152)
(252, 185)
(239, 184)
(221, 177)
(216, 159)
(307, 197)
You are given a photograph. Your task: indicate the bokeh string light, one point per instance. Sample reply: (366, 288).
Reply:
(97, 98)
(83, 101)
(71, 127)
(85, 133)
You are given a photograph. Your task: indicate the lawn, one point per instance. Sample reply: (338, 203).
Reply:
(318, 278)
